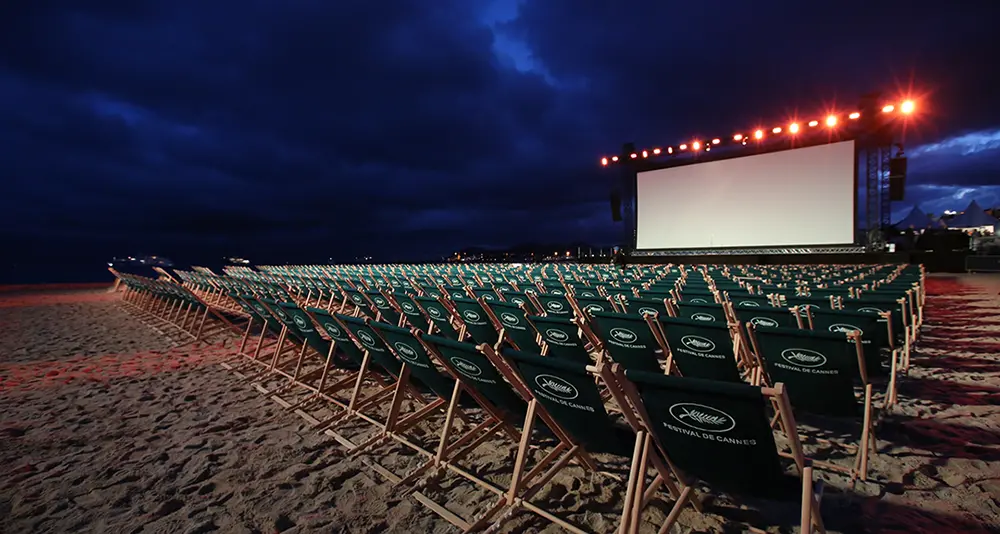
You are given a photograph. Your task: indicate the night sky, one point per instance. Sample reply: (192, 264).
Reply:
(304, 130)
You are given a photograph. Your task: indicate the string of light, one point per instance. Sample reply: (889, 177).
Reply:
(758, 135)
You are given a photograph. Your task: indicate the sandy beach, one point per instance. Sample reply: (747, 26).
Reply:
(109, 425)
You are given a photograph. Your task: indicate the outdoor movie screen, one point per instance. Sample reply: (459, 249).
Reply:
(802, 196)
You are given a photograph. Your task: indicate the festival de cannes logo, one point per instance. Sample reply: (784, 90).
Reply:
(367, 339)
(703, 317)
(509, 318)
(556, 335)
(434, 312)
(646, 310)
(357, 298)
(487, 296)
(557, 386)
(805, 307)
(764, 321)
(379, 301)
(457, 295)
(750, 304)
(332, 330)
(281, 315)
(300, 322)
(701, 417)
(517, 300)
(471, 315)
(466, 367)
(623, 335)
(558, 292)
(842, 328)
(803, 358)
(260, 309)
(698, 301)
(593, 308)
(589, 294)
(407, 307)
(405, 351)
(869, 309)
(554, 305)
(698, 343)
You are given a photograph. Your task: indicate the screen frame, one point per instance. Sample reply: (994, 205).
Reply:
(647, 166)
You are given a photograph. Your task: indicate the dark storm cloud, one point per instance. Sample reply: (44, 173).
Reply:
(298, 128)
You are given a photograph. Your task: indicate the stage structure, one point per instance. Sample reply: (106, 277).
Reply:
(786, 190)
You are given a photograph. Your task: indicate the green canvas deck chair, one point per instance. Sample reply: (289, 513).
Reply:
(298, 333)
(553, 304)
(475, 321)
(452, 443)
(629, 340)
(522, 298)
(439, 316)
(488, 294)
(455, 291)
(719, 434)
(700, 349)
(819, 370)
(875, 340)
(701, 312)
(387, 312)
(897, 311)
(582, 306)
(770, 317)
(259, 316)
(377, 365)
(412, 314)
(468, 364)
(644, 306)
(566, 397)
(511, 322)
(695, 296)
(264, 308)
(747, 300)
(361, 303)
(563, 338)
(581, 290)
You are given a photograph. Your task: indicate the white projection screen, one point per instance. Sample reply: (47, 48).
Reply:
(797, 197)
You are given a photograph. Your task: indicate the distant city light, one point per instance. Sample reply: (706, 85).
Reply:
(854, 115)
(831, 121)
(793, 127)
(813, 124)
(759, 134)
(907, 107)
(738, 137)
(888, 108)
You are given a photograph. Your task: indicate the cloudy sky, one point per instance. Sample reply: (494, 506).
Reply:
(306, 129)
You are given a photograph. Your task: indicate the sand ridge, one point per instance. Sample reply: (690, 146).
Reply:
(108, 426)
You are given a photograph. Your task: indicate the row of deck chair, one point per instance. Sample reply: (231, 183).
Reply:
(460, 342)
(557, 406)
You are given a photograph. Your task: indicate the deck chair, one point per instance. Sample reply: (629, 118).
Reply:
(701, 349)
(584, 305)
(521, 298)
(701, 312)
(511, 321)
(475, 321)
(819, 370)
(717, 433)
(562, 337)
(644, 306)
(555, 304)
(416, 361)
(439, 316)
(629, 340)
(565, 395)
(387, 313)
(875, 338)
(413, 315)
